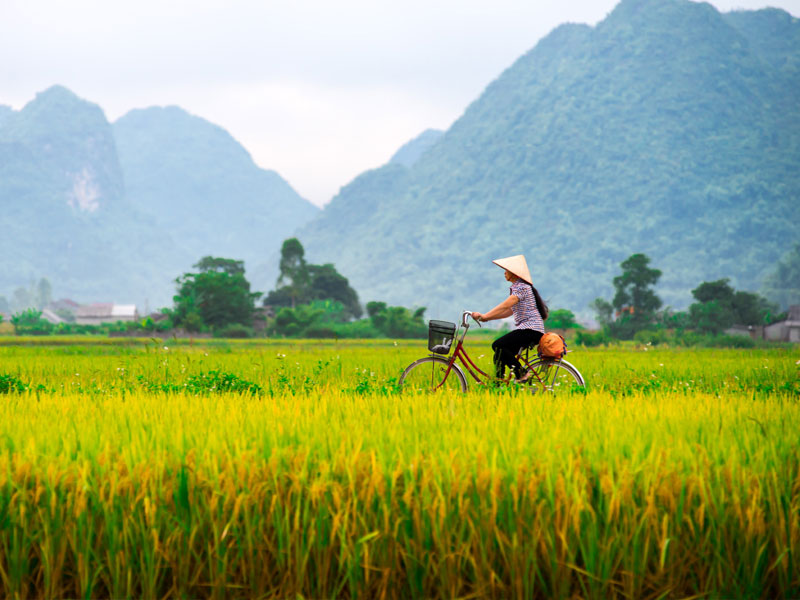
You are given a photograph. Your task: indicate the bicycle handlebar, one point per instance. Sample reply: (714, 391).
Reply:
(464, 315)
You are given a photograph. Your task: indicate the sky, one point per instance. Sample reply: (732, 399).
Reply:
(317, 90)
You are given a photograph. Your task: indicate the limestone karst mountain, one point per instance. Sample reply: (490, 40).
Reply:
(668, 129)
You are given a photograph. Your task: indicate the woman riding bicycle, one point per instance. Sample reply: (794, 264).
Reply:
(529, 310)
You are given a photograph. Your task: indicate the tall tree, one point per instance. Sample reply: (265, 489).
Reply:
(220, 265)
(635, 301)
(294, 275)
(300, 282)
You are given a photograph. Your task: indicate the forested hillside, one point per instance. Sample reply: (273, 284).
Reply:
(667, 129)
(117, 213)
(64, 213)
(199, 184)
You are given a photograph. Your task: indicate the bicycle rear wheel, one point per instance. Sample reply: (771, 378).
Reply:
(428, 374)
(555, 376)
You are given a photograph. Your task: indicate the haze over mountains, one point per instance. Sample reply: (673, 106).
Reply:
(668, 128)
(117, 212)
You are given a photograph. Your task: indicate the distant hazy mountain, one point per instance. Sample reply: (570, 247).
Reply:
(201, 185)
(410, 152)
(5, 113)
(266, 272)
(668, 129)
(63, 212)
(116, 214)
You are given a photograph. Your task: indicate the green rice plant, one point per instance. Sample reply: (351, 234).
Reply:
(674, 473)
(10, 384)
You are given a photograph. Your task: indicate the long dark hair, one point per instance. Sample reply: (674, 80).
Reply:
(540, 304)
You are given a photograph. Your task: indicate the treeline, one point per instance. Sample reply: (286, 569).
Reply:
(316, 301)
(37, 295)
(308, 301)
(636, 313)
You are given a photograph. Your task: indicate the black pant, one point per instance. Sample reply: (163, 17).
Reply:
(506, 349)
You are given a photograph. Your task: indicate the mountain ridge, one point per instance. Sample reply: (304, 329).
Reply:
(658, 130)
(69, 214)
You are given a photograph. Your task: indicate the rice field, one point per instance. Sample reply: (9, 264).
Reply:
(272, 469)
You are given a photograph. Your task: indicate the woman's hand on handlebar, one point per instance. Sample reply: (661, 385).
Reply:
(477, 316)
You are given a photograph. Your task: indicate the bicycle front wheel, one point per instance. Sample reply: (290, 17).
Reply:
(556, 376)
(428, 374)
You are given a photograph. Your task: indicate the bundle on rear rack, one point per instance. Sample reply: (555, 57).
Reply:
(440, 336)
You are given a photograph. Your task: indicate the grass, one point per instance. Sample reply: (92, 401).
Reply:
(134, 470)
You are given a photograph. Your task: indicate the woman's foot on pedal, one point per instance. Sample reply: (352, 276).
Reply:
(525, 377)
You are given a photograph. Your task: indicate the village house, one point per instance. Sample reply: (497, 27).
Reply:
(787, 330)
(51, 317)
(105, 312)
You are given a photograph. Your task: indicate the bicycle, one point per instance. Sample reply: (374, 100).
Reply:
(439, 370)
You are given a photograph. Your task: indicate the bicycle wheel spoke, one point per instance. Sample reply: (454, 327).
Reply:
(555, 376)
(431, 374)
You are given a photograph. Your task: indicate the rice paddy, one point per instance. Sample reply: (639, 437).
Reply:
(268, 469)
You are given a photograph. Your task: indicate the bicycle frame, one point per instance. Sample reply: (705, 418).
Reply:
(460, 353)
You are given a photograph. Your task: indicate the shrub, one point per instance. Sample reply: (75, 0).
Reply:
(732, 341)
(651, 336)
(694, 339)
(561, 318)
(362, 328)
(10, 384)
(587, 338)
(30, 322)
(319, 331)
(204, 383)
(219, 381)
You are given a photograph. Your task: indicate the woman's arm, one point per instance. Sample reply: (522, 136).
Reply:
(501, 311)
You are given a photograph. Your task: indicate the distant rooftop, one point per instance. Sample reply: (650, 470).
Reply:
(103, 310)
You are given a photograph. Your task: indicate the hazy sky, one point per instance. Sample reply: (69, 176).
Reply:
(317, 90)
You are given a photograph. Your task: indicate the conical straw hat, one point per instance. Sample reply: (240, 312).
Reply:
(517, 265)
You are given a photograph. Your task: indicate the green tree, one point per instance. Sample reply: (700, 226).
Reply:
(633, 291)
(294, 275)
(719, 307)
(719, 291)
(216, 296)
(635, 303)
(397, 321)
(561, 318)
(328, 284)
(750, 308)
(230, 266)
(30, 322)
(710, 317)
(604, 311)
(301, 283)
(713, 311)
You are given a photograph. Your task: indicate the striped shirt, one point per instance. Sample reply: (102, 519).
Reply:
(526, 313)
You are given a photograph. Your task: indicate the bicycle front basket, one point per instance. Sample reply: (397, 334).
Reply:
(440, 336)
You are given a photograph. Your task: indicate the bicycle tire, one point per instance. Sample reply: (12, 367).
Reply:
(425, 374)
(555, 376)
